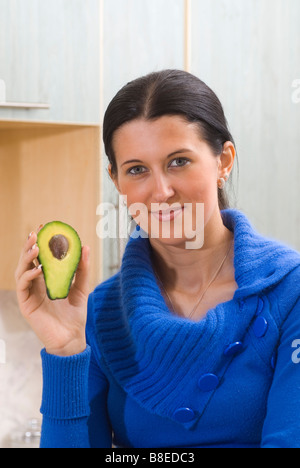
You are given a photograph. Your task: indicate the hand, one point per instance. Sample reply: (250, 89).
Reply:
(60, 325)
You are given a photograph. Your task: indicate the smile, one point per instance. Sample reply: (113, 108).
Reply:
(167, 215)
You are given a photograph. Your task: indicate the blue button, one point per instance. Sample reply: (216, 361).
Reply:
(208, 382)
(274, 360)
(260, 306)
(260, 327)
(184, 415)
(234, 349)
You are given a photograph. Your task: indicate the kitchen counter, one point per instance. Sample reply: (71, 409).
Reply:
(20, 369)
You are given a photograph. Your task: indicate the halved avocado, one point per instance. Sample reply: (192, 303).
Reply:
(59, 253)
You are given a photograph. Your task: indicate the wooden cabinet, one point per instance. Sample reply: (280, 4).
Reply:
(50, 54)
(48, 172)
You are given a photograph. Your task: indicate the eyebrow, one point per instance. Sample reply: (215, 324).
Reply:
(184, 150)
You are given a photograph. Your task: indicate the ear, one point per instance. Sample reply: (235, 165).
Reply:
(226, 160)
(113, 177)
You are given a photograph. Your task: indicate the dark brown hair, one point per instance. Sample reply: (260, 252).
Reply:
(169, 92)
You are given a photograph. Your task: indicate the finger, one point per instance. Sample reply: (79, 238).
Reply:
(35, 260)
(25, 283)
(31, 240)
(29, 258)
(27, 255)
(82, 275)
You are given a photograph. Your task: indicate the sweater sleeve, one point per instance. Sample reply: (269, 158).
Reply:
(65, 405)
(74, 400)
(282, 422)
(74, 403)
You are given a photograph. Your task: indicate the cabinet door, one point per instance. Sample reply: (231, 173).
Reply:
(248, 52)
(49, 53)
(139, 37)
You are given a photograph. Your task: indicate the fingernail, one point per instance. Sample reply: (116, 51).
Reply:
(32, 248)
(30, 235)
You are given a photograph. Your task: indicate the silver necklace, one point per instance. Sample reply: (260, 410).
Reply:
(205, 290)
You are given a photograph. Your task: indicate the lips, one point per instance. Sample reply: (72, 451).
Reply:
(167, 215)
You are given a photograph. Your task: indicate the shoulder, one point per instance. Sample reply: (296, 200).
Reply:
(287, 293)
(106, 294)
(281, 277)
(107, 285)
(284, 262)
(103, 300)
(261, 262)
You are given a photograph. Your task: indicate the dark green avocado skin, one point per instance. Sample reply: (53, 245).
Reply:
(67, 266)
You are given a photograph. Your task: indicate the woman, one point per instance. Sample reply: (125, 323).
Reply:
(184, 346)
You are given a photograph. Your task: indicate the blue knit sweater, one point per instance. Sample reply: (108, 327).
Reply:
(155, 380)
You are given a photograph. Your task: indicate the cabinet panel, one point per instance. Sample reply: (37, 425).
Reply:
(47, 173)
(49, 53)
(248, 52)
(140, 36)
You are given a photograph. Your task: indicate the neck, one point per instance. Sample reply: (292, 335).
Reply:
(188, 271)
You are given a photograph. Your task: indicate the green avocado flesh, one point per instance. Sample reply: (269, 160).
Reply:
(59, 253)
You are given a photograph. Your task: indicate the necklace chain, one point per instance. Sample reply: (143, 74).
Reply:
(205, 290)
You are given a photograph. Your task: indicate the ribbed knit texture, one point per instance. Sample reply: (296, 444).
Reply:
(71, 401)
(148, 350)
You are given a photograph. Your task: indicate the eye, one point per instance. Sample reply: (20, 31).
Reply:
(180, 162)
(136, 170)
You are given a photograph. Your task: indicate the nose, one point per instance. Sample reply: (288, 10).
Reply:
(162, 189)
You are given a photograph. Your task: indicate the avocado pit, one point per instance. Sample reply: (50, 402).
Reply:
(59, 246)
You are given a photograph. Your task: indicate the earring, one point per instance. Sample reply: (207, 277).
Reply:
(221, 183)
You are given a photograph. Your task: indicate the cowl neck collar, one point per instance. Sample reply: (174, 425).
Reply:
(157, 358)
(260, 263)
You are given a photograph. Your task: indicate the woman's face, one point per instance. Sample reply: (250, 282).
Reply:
(164, 161)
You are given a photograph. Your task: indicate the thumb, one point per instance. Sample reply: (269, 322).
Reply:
(81, 282)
